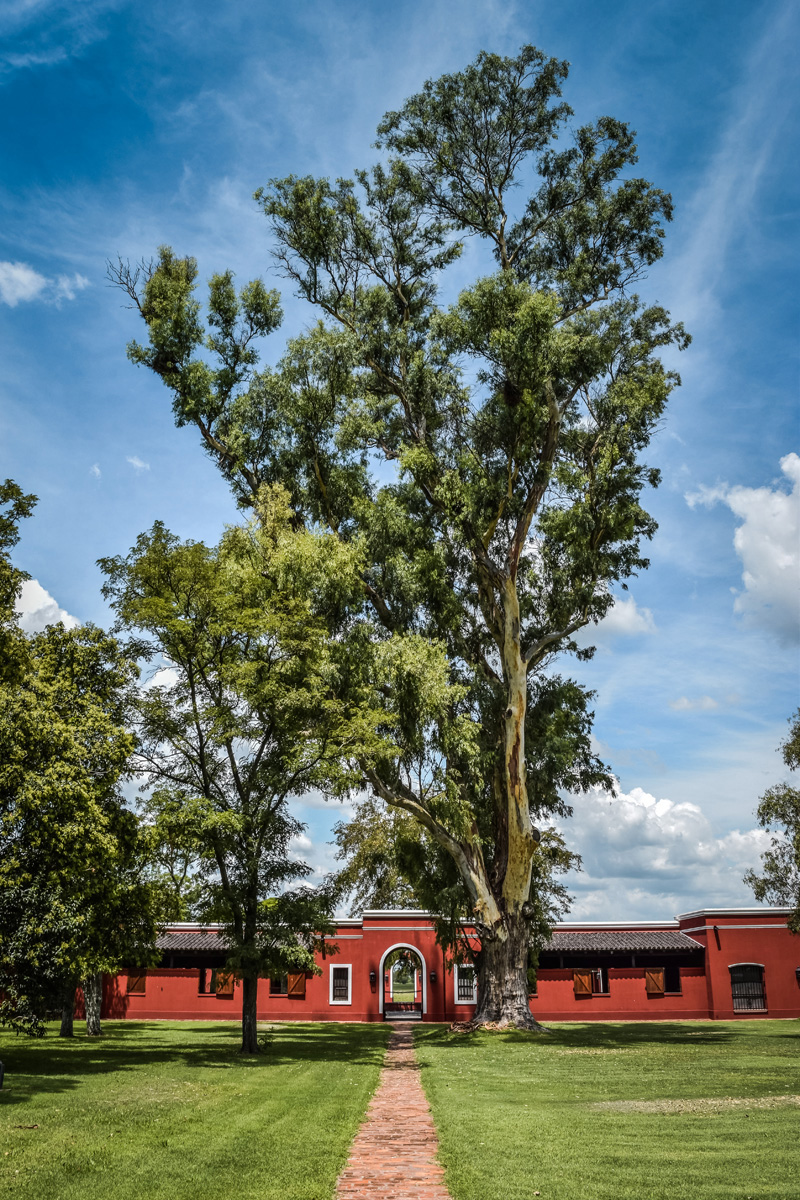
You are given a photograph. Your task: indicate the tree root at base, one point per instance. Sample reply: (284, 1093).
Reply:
(498, 1026)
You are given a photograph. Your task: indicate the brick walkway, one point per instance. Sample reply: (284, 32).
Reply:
(393, 1156)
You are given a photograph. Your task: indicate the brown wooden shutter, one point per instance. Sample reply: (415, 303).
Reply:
(224, 984)
(582, 983)
(654, 981)
(136, 983)
(297, 985)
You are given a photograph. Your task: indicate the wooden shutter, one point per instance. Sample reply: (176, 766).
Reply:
(654, 981)
(224, 984)
(296, 985)
(136, 983)
(582, 983)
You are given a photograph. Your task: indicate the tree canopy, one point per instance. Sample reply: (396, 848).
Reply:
(240, 716)
(779, 811)
(482, 459)
(73, 897)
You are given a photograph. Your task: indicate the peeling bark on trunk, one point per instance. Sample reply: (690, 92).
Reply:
(67, 1015)
(93, 999)
(503, 981)
(250, 1016)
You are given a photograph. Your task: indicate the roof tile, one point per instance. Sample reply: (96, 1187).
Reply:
(622, 940)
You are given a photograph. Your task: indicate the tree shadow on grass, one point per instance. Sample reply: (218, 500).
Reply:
(595, 1035)
(51, 1065)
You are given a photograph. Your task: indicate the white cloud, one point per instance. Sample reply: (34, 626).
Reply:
(164, 676)
(37, 609)
(137, 463)
(95, 471)
(626, 619)
(19, 282)
(768, 543)
(66, 287)
(623, 620)
(654, 858)
(698, 704)
(40, 33)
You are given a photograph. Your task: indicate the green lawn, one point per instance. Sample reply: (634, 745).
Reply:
(171, 1111)
(685, 1111)
(403, 993)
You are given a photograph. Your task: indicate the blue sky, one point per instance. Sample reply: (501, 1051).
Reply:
(127, 125)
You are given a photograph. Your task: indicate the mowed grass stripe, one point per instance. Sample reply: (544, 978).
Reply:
(168, 1111)
(518, 1114)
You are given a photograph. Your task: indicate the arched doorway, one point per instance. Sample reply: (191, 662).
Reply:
(404, 987)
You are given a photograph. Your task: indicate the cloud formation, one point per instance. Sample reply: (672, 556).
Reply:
(37, 609)
(19, 283)
(137, 463)
(768, 543)
(626, 619)
(623, 620)
(696, 704)
(41, 33)
(654, 857)
(724, 204)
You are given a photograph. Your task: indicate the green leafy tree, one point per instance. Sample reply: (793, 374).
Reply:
(484, 458)
(390, 861)
(173, 852)
(241, 717)
(779, 812)
(73, 900)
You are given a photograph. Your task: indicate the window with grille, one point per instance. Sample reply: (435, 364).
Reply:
(466, 985)
(340, 985)
(747, 987)
(278, 985)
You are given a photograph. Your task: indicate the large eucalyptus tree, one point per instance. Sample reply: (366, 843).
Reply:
(483, 457)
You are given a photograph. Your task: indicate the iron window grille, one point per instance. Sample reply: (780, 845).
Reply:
(466, 985)
(340, 985)
(747, 987)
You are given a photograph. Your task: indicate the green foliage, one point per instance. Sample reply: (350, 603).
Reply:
(779, 811)
(14, 506)
(73, 898)
(241, 714)
(482, 461)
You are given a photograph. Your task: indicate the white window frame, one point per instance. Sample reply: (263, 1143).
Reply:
(456, 970)
(339, 966)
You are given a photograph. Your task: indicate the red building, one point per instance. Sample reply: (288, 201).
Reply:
(710, 964)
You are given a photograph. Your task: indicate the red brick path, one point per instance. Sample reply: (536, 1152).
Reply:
(393, 1156)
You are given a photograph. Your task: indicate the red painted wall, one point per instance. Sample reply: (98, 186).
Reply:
(748, 936)
(754, 936)
(626, 999)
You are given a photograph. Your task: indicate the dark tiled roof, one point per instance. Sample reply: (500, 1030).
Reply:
(626, 941)
(191, 939)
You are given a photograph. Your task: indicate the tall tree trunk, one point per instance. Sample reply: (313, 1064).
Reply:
(93, 999)
(503, 979)
(250, 1016)
(67, 1014)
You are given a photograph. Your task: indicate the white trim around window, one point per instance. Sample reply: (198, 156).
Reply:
(341, 967)
(466, 970)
